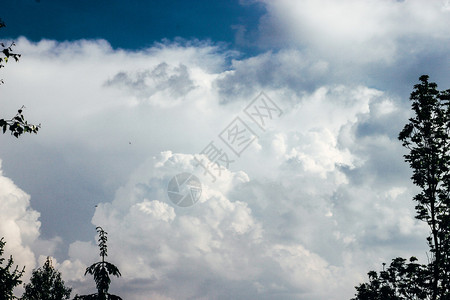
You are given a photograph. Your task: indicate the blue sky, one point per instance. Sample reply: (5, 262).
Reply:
(130, 93)
(130, 24)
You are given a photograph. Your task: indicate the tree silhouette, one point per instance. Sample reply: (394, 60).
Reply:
(8, 280)
(46, 283)
(17, 125)
(399, 281)
(427, 137)
(101, 271)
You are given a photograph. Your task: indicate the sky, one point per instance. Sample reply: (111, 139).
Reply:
(132, 94)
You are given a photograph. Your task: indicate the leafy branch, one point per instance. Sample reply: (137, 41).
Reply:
(16, 125)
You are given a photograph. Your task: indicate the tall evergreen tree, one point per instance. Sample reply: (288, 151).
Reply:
(101, 271)
(46, 283)
(427, 137)
(9, 278)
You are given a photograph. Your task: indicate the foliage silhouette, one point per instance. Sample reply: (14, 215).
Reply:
(46, 283)
(101, 271)
(427, 137)
(8, 280)
(17, 125)
(399, 281)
